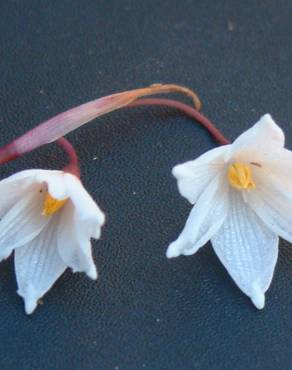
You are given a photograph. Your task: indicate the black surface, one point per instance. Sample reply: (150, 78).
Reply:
(145, 312)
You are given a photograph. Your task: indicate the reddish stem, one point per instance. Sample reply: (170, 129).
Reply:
(73, 166)
(27, 142)
(63, 123)
(189, 111)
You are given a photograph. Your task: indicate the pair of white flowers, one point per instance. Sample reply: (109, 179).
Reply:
(243, 201)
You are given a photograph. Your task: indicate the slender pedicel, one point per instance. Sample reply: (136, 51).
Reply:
(70, 120)
(73, 166)
(189, 111)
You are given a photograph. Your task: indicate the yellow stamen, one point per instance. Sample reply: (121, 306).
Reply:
(52, 205)
(240, 176)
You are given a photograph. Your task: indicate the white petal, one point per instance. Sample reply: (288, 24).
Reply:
(22, 175)
(38, 265)
(85, 206)
(14, 187)
(204, 220)
(257, 143)
(56, 183)
(247, 249)
(54, 180)
(279, 167)
(273, 204)
(74, 242)
(194, 176)
(22, 223)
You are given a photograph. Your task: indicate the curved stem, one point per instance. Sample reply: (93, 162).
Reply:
(73, 166)
(186, 109)
(63, 123)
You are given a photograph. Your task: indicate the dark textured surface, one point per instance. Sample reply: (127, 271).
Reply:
(145, 312)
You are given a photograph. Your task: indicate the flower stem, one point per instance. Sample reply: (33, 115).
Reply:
(65, 122)
(73, 166)
(186, 109)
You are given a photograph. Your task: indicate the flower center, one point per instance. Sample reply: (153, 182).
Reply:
(240, 176)
(52, 205)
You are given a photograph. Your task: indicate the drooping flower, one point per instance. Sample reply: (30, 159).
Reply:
(242, 196)
(47, 218)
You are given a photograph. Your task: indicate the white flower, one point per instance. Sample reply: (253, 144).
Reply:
(243, 201)
(47, 218)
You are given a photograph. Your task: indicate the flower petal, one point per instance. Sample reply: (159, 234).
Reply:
(56, 183)
(53, 178)
(38, 265)
(204, 220)
(22, 175)
(74, 242)
(22, 223)
(272, 202)
(85, 206)
(279, 167)
(14, 187)
(247, 249)
(257, 143)
(194, 176)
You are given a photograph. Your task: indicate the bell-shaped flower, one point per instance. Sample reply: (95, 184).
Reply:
(47, 218)
(243, 202)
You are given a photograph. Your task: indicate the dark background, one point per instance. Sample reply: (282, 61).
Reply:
(144, 312)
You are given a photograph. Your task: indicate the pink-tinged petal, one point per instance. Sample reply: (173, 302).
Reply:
(193, 176)
(204, 220)
(259, 142)
(22, 223)
(247, 249)
(74, 245)
(38, 265)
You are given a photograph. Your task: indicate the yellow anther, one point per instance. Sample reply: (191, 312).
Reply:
(240, 176)
(52, 205)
